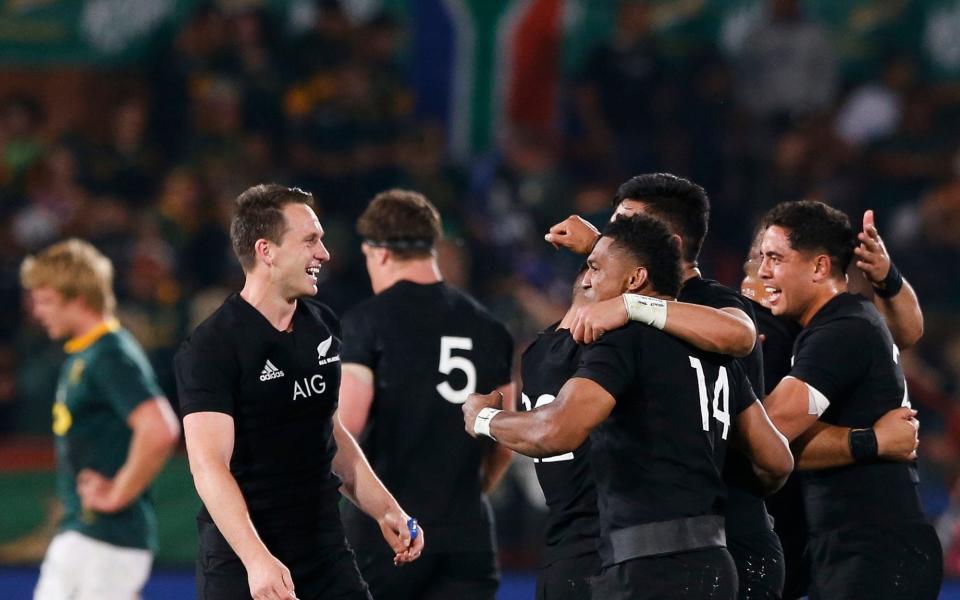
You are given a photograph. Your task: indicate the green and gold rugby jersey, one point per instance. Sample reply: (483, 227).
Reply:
(105, 377)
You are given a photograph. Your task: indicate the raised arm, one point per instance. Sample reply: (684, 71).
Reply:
(724, 331)
(362, 486)
(893, 295)
(561, 426)
(210, 439)
(575, 234)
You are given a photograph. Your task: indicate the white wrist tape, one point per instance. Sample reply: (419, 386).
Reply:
(481, 425)
(646, 309)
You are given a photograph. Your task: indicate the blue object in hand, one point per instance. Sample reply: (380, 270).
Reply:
(412, 526)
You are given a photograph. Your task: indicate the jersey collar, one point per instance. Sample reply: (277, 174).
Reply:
(82, 342)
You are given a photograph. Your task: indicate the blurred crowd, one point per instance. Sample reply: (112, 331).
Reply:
(234, 100)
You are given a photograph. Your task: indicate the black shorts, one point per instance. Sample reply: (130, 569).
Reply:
(893, 561)
(319, 573)
(790, 523)
(568, 578)
(760, 565)
(433, 576)
(707, 574)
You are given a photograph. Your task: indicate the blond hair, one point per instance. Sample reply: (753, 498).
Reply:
(75, 269)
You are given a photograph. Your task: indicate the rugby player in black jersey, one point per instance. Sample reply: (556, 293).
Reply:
(905, 320)
(259, 383)
(657, 446)
(570, 556)
(411, 355)
(867, 534)
(685, 208)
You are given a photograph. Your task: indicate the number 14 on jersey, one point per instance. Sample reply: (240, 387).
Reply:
(721, 397)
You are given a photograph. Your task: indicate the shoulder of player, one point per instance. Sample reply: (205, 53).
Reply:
(320, 310)
(116, 346)
(629, 334)
(709, 292)
(216, 332)
(848, 323)
(478, 309)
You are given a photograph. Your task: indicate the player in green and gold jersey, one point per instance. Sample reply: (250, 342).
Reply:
(113, 427)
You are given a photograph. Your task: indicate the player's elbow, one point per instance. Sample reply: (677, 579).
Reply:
(737, 340)
(555, 438)
(169, 436)
(910, 335)
(742, 340)
(775, 468)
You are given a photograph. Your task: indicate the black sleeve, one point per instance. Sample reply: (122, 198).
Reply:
(359, 339)
(833, 358)
(207, 372)
(740, 386)
(611, 361)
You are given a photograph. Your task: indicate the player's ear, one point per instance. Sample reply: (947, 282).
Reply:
(822, 267)
(637, 280)
(677, 240)
(263, 251)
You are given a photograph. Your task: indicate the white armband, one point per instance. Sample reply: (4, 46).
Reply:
(481, 425)
(646, 309)
(817, 403)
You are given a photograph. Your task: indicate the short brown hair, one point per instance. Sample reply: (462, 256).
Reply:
(75, 269)
(260, 216)
(403, 221)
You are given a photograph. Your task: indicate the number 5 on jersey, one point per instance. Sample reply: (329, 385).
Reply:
(721, 397)
(450, 363)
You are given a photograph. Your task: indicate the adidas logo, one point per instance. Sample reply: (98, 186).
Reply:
(270, 372)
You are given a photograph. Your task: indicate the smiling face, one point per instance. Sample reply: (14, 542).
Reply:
(608, 272)
(789, 276)
(296, 260)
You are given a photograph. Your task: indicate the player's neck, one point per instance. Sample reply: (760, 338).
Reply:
(423, 271)
(86, 322)
(690, 271)
(830, 289)
(275, 309)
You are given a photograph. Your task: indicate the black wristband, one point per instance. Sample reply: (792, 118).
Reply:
(863, 445)
(891, 283)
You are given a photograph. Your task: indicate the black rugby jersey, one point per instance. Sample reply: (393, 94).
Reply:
(786, 505)
(659, 455)
(429, 347)
(847, 353)
(566, 480)
(745, 510)
(281, 388)
(778, 337)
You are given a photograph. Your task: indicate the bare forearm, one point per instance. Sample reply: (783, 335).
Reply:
(710, 329)
(534, 434)
(149, 451)
(360, 484)
(903, 316)
(823, 447)
(224, 501)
